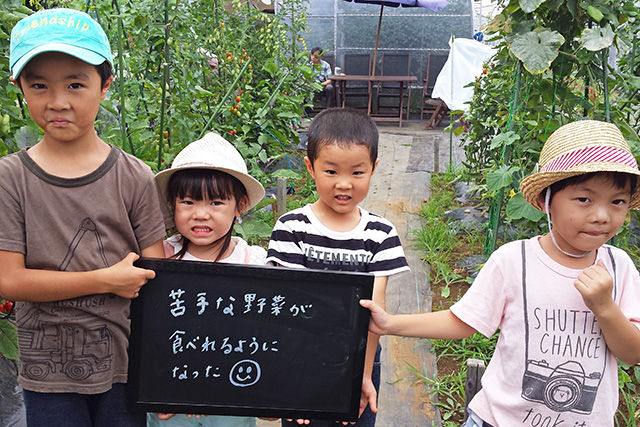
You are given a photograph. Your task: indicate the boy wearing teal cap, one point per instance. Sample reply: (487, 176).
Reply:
(75, 213)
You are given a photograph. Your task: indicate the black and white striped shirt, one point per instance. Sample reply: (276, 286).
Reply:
(299, 239)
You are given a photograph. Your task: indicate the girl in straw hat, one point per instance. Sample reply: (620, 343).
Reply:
(208, 188)
(567, 304)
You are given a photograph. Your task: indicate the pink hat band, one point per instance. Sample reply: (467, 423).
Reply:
(590, 154)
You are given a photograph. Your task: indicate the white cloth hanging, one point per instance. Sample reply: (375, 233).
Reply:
(466, 59)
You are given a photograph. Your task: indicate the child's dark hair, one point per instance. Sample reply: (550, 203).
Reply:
(619, 180)
(344, 127)
(199, 184)
(104, 70)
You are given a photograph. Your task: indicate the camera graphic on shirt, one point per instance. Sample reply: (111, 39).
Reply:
(563, 388)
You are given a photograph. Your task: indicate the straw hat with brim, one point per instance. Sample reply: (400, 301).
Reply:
(213, 152)
(577, 148)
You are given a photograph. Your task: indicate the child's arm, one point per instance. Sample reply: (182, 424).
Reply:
(623, 338)
(156, 250)
(369, 395)
(19, 283)
(435, 325)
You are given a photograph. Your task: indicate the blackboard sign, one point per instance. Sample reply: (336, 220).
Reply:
(226, 339)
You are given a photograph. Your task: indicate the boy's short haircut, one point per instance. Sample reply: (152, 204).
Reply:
(344, 127)
(67, 31)
(318, 50)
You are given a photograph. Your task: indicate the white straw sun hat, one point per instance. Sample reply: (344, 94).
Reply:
(577, 148)
(213, 152)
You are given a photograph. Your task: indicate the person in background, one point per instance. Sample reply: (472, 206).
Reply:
(567, 304)
(324, 72)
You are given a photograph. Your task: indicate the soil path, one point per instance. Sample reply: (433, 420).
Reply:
(408, 156)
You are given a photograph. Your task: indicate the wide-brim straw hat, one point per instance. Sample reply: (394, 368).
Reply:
(213, 152)
(577, 148)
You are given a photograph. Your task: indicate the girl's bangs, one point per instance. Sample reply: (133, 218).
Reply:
(200, 184)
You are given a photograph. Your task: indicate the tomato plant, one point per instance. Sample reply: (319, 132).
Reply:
(8, 335)
(174, 62)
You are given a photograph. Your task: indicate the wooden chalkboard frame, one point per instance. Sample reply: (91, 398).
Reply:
(329, 388)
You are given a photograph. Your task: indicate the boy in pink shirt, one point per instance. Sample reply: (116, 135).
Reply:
(567, 304)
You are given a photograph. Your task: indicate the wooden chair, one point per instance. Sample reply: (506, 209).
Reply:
(356, 64)
(330, 59)
(438, 114)
(438, 108)
(394, 64)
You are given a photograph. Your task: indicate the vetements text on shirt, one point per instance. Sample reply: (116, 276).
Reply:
(336, 258)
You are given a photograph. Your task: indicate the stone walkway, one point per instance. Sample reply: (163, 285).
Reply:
(408, 156)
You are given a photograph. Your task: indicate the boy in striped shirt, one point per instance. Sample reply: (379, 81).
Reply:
(334, 233)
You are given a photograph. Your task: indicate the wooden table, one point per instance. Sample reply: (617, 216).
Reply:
(340, 82)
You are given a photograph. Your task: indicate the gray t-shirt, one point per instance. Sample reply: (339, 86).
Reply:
(80, 224)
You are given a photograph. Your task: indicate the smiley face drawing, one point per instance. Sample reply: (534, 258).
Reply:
(245, 373)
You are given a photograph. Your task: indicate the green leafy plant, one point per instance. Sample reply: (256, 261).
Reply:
(447, 392)
(628, 412)
(166, 93)
(437, 239)
(476, 346)
(552, 66)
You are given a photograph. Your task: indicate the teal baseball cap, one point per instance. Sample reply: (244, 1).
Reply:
(58, 30)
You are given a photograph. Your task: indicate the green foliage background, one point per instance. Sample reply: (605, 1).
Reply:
(557, 62)
(165, 94)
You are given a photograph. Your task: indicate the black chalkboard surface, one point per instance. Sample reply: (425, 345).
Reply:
(214, 338)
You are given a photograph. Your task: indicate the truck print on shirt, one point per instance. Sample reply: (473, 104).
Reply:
(68, 347)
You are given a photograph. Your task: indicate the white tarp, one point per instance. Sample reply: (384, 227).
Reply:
(466, 58)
